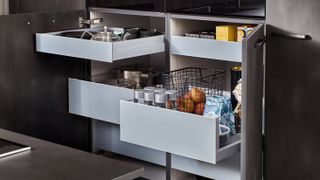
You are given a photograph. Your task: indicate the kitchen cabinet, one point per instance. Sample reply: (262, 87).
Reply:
(128, 128)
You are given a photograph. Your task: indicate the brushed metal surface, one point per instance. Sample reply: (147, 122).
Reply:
(292, 133)
(34, 86)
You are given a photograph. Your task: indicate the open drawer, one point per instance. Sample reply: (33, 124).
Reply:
(97, 101)
(206, 48)
(179, 133)
(55, 43)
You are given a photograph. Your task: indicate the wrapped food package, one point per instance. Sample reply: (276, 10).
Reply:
(220, 108)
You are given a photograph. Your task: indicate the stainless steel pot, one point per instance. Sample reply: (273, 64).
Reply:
(136, 76)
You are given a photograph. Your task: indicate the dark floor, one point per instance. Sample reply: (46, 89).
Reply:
(152, 171)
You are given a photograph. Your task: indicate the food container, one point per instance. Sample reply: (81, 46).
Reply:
(149, 98)
(224, 133)
(149, 88)
(159, 90)
(241, 33)
(160, 100)
(139, 96)
(172, 99)
(226, 33)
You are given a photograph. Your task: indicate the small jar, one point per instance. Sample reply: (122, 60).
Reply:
(149, 98)
(160, 100)
(159, 90)
(139, 96)
(149, 88)
(172, 98)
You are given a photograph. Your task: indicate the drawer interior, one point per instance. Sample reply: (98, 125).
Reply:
(189, 38)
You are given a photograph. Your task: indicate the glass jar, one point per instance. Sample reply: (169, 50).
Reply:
(172, 98)
(149, 98)
(139, 96)
(159, 90)
(149, 88)
(160, 100)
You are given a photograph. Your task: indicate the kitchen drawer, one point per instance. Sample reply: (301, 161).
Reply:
(179, 133)
(206, 48)
(53, 43)
(97, 101)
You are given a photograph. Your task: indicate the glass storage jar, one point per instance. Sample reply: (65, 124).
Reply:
(149, 98)
(172, 98)
(161, 99)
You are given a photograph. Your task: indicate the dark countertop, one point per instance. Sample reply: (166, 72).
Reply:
(48, 161)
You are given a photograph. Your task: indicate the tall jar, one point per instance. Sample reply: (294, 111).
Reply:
(149, 98)
(160, 100)
(172, 98)
(139, 96)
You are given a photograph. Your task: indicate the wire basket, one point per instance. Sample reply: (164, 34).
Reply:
(210, 81)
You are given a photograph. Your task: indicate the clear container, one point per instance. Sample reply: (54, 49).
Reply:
(149, 88)
(172, 99)
(149, 98)
(159, 90)
(161, 99)
(139, 96)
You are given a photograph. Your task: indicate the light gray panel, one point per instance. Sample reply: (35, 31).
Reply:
(97, 101)
(171, 131)
(52, 43)
(252, 93)
(73, 47)
(228, 169)
(138, 47)
(107, 137)
(206, 48)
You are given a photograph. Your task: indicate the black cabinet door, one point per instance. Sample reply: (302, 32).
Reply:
(252, 105)
(32, 6)
(247, 8)
(144, 5)
(34, 86)
(292, 90)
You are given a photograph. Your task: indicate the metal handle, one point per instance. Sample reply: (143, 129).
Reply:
(260, 43)
(293, 36)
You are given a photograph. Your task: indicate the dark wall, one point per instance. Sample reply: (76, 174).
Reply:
(29, 6)
(148, 5)
(34, 86)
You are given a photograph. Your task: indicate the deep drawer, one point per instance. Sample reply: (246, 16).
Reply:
(53, 43)
(175, 132)
(97, 101)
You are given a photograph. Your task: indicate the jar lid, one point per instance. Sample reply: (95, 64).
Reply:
(172, 94)
(139, 94)
(160, 98)
(149, 88)
(149, 96)
(236, 68)
(159, 90)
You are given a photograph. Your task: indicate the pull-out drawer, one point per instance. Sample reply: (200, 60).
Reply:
(97, 101)
(179, 133)
(54, 43)
(206, 48)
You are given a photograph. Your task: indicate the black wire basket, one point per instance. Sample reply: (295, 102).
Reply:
(210, 81)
